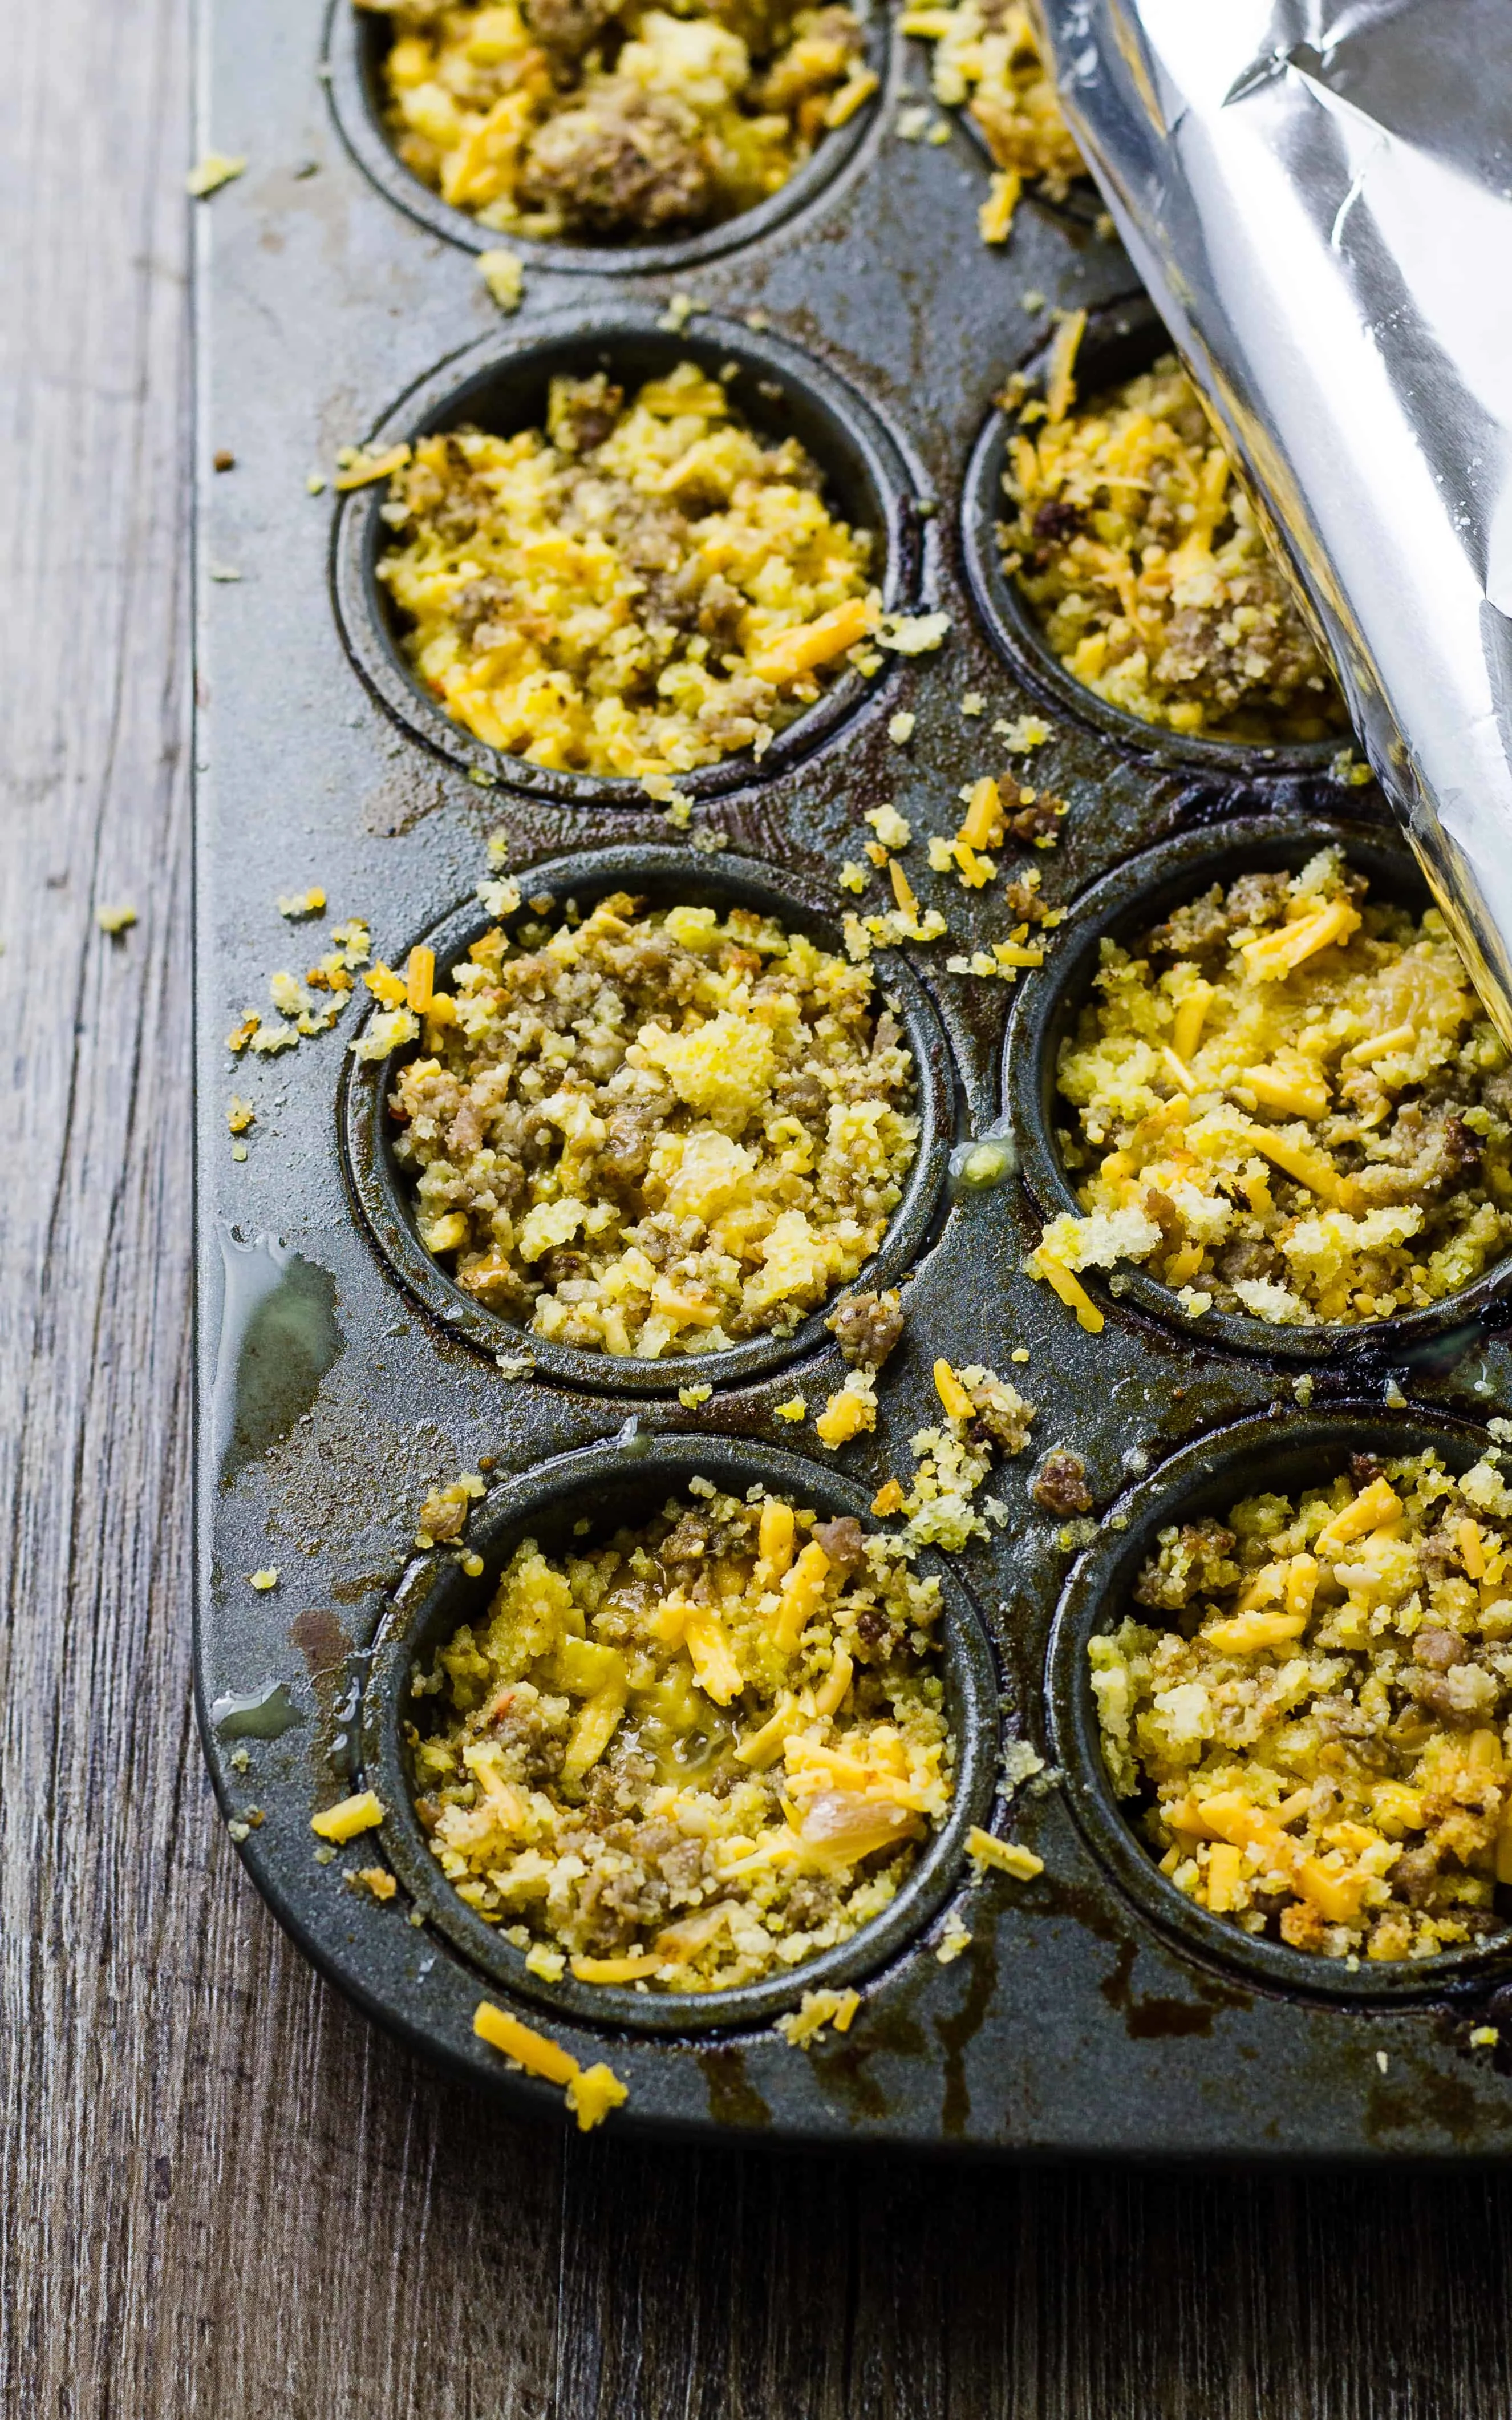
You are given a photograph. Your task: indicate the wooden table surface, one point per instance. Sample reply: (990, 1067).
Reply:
(224, 2195)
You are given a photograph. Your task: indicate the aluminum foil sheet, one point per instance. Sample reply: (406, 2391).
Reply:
(1319, 195)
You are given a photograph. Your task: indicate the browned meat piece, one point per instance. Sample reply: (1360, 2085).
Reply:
(1257, 899)
(584, 411)
(1022, 903)
(1438, 1650)
(1413, 1875)
(1002, 1425)
(1438, 1555)
(1202, 924)
(1162, 1210)
(1058, 519)
(567, 29)
(688, 1541)
(867, 1327)
(842, 1541)
(1188, 1566)
(1365, 1467)
(1060, 1484)
(626, 162)
(1040, 820)
(1248, 1257)
(1427, 1151)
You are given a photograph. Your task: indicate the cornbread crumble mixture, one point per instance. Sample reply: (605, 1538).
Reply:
(643, 588)
(988, 59)
(1292, 1104)
(704, 1752)
(656, 1132)
(1325, 1729)
(604, 117)
(1138, 546)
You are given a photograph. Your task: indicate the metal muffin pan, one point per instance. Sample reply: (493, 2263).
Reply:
(340, 1376)
(662, 877)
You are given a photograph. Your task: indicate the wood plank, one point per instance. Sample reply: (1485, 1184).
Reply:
(220, 2191)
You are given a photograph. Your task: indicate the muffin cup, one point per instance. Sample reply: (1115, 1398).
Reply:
(356, 41)
(664, 878)
(1287, 1452)
(501, 385)
(1121, 340)
(1127, 903)
(614, 1487)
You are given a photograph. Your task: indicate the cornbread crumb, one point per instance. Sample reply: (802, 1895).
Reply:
(1290, 1104)
(212, 170)
(264, 1580)
(1321, 1723)
(349, 1816)
(653, 1133)
(1484, 2036)
(444, 1516)
(521, 567)
(702, 1752)
(375, 1880)
(691, 1397)
(952, 1941)
(1024, 731)
(973, 703)
(588, 122)
(796, 1408)
(239, 1114)
(892, 830)
(1137, 547)
(303, 903)
(815, 2014)
(953, 1459)
(900, 729)
(115, 919)
(504, 274)
(1005, 1857)
(988, 60)
(911, 634)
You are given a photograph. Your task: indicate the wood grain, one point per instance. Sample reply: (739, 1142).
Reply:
(221, 2194)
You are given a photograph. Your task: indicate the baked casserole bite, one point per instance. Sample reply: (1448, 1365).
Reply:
(1313, 1704)
(594, 120)
(705, 1751)
(655, 1131)
(1290, 1104)
(1137, 548)
(642, 587)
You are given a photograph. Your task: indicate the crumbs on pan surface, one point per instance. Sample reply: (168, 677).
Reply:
(704, 1752)
(1320, 1731)
(604, 118)
(1290, 1104)
(656, 1132)
(1138, 546)
(987, 59)
(641, 588)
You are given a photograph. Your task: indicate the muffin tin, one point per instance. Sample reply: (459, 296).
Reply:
(342, 1375)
